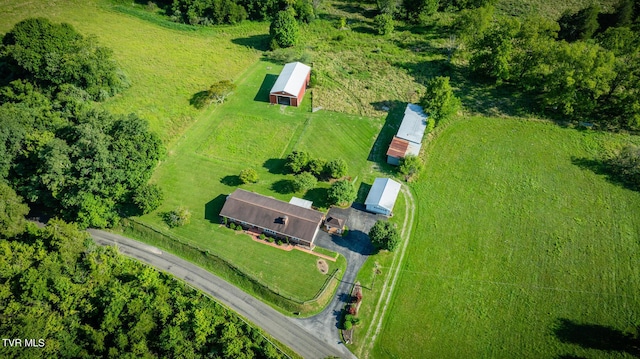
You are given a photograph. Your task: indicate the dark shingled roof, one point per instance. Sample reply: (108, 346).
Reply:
(335, 222)
(270, 213)
(398, 147)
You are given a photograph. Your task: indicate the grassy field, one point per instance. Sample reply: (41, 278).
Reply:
(166, 66)
(202, 168)
(520, 249)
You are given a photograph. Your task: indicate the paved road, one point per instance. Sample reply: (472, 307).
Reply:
(277, 325)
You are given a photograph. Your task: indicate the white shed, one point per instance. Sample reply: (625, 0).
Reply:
(382, 196)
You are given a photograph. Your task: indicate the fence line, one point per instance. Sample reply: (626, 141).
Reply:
(131, 222)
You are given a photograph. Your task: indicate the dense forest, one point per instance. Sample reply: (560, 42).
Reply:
(89, 301)
(60, 151)
(585, 67)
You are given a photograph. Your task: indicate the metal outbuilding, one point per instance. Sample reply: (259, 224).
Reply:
(382, 196)
(291, 84)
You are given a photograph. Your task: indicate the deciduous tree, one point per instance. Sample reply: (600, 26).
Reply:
(342, 192)
(384, 235)
(284, 29)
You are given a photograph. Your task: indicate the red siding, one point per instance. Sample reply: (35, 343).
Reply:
(273, 99)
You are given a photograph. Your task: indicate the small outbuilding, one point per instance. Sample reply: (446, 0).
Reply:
(382, 196)
(291, 85)
(408, 140)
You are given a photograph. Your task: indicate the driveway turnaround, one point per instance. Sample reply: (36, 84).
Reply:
(277, 325)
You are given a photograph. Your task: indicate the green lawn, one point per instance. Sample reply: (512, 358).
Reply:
(246, 131)
(519, 250)
(166, 67)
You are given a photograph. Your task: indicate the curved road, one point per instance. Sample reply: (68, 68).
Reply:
(260, 314)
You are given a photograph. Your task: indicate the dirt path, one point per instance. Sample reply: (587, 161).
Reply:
(391, 279)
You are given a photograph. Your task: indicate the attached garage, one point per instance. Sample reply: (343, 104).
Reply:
(291, 85)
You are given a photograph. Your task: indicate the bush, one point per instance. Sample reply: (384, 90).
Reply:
(303, 182)
(410, 166)
(345, 231)
(297, 161)
(383, 24)
(384, 235)
(316, 166)
(336, 168)
(270, 239)
(342, 192)
(178, 217)
(278, 242)
(262, 236)
(248, 175)
(232, 226)
(347, 325)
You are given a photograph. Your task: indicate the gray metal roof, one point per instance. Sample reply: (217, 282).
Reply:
(413, 124)
(292, 78)
(301, 202)
(383, 193)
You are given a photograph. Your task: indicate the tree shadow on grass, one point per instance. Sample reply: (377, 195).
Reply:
(478, 95)
(231, 180)
(601, 167)
(212, 208)
(283, 186)
(265, 88)
(378, 152)
(259, 42)
(363, 192)
(594, 336)
(275, 166)
(199, 99)
(319, 197)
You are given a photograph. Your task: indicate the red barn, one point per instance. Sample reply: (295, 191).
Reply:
(291, 85)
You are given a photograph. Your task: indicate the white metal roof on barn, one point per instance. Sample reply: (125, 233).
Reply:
(292, 78)
(383, 193)
(413, 124)
(301, 202)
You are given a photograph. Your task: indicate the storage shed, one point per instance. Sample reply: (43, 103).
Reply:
(291, 84)
(408, 140)
(382, 196)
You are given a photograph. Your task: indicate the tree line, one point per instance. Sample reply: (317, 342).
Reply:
(584, 68)
(59, 149)
(89, 301)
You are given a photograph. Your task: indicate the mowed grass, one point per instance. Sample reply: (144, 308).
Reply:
(202, 168)
(518, 251)
(166, 67)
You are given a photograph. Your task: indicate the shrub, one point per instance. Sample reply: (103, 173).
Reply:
(383, 24)
(316, 166)
(303, 182)
(347, 325)
(232, 225)
(248, 175)
(345, 231)
(336, 168)
(342, 192)
(297, 161)
(262, 236)
(270, 239)
(410, 166)
(178, 217)
(278, 242)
